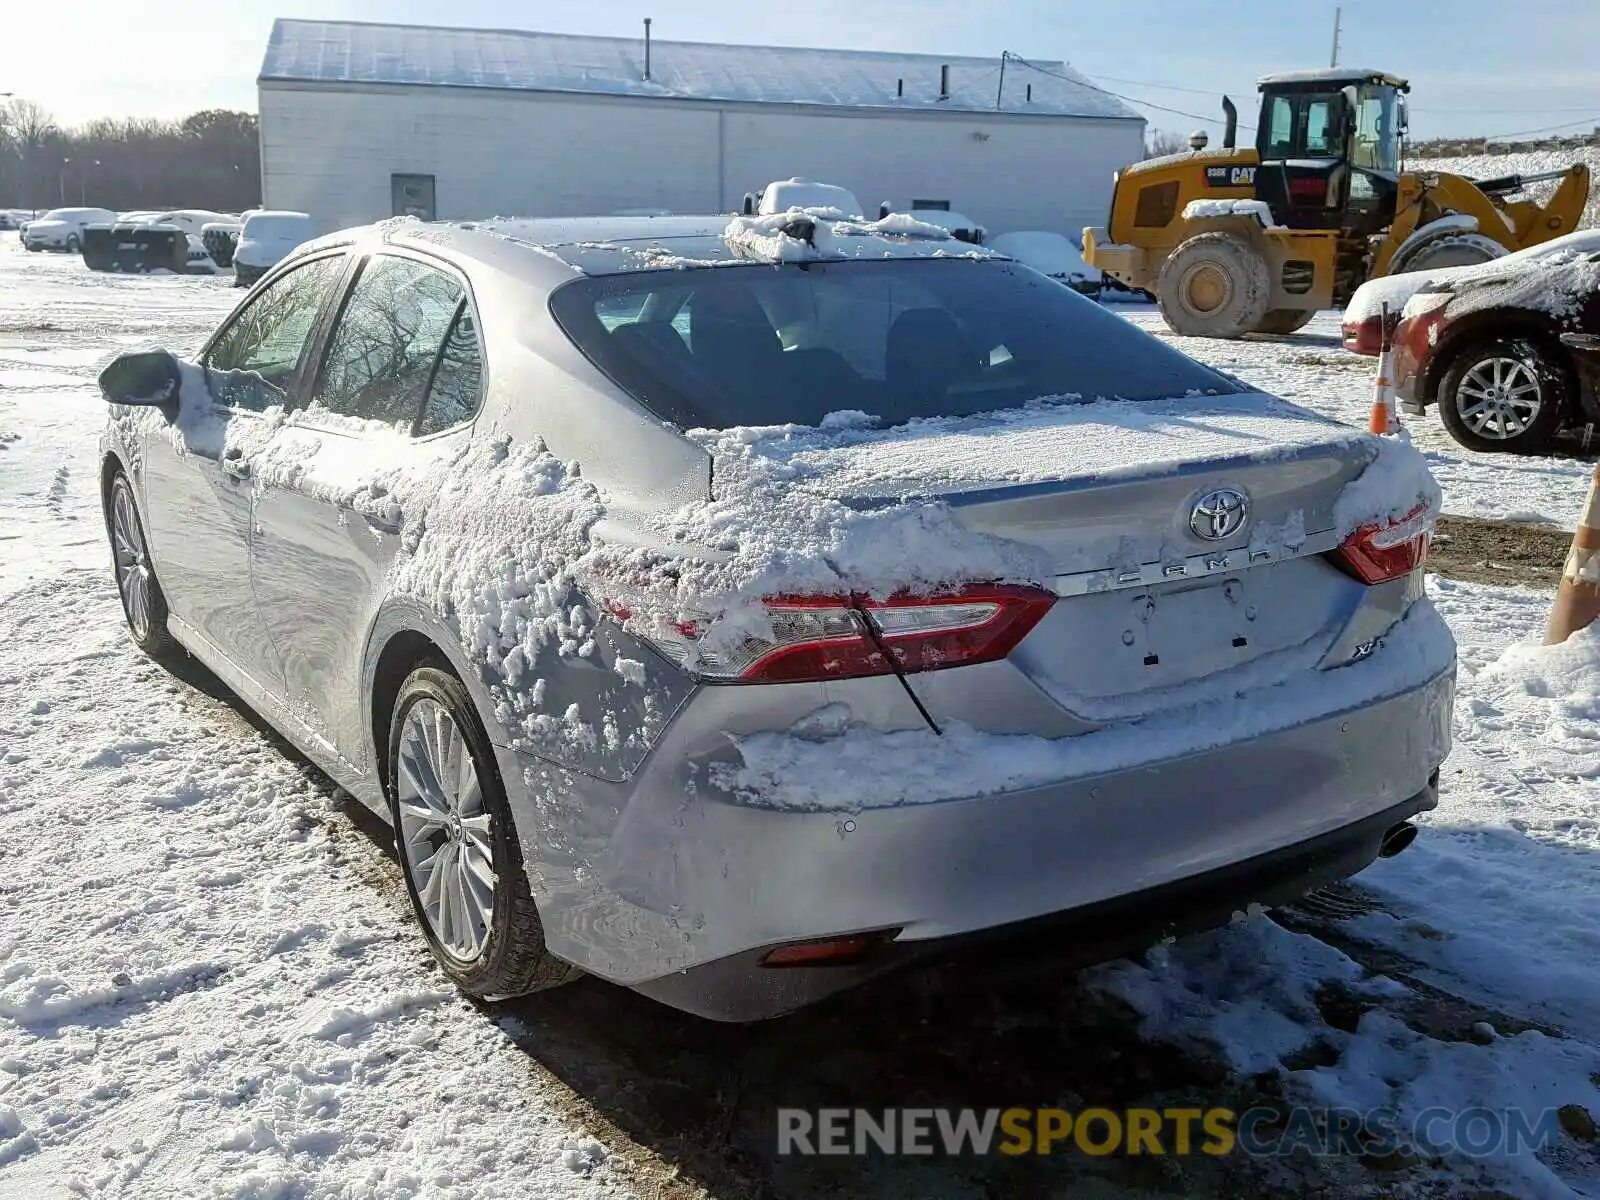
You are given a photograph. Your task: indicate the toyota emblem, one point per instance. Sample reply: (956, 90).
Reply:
(1219, 514)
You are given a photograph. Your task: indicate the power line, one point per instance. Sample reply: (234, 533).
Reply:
(1570, 108)
(1594, 120)
(1160, 87)
(1081, 82)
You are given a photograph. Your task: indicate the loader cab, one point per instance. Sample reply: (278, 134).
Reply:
(1330, 145)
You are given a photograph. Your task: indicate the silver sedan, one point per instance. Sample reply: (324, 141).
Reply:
(737, 610)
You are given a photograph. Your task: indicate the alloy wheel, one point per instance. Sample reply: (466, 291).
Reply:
(444, 831)
(1499, 398)
(132, 562)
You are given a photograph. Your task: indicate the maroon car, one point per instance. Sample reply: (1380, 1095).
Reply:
(1511, 357)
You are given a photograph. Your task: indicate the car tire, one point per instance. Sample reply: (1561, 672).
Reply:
(1285, 320)
(1214, 285)
(32, 248)
(73, 245)
(458, 847)
(144, 605)
(1484, 397)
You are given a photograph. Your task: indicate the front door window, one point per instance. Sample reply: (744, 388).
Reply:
(254, 360)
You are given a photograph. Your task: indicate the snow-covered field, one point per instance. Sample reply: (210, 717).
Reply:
(1527, 162)
(209, 984)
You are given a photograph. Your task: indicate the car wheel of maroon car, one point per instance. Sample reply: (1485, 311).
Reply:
(1507, 394)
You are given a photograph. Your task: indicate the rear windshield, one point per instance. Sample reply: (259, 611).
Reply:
(716, 347)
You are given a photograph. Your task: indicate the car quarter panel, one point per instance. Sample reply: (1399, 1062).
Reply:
(543, 388)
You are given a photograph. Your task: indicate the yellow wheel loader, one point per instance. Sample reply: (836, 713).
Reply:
(1256, 240)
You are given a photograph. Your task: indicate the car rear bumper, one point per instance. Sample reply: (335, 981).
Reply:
(640, 881)
(740, 988)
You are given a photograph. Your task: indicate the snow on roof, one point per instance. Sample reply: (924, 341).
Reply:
(333, 52)
(1331, 75)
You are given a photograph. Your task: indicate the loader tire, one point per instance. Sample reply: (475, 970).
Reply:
(1285, 320)
(1214, 285)
(1450, 250)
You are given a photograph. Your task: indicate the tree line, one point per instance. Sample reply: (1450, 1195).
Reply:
(209, 159)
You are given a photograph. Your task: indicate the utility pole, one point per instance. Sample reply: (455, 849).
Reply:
(1000, 92)
(1333, 61)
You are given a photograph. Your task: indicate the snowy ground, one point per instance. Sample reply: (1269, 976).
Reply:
(209, 985)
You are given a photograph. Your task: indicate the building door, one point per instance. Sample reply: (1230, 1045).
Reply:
(413, 196)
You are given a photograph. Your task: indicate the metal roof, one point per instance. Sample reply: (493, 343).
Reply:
(349, 52)
(1333, 75)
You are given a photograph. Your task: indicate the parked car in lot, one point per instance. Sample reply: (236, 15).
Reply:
(735, 610)
(783, 194)
(219, 239)
(1362, 322)
(62, 228)
(264, 239)
(1510, 353)
(1051, 254)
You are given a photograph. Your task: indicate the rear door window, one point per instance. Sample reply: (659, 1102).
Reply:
(255, 358)
(387, 342)
(457, 380)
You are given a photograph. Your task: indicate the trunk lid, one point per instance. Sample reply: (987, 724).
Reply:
(1185, 536)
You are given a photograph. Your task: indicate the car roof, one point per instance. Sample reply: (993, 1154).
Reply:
(623, 245)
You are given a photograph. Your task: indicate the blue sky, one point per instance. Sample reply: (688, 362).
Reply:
(1476, 66)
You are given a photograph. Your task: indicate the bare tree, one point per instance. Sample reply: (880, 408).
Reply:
(210, 159)
(1161, 142)
(28, 133)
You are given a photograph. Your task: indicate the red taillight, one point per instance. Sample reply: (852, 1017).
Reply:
(816, 638)
(1308, 189)
(1377, 553)
(1364, 336)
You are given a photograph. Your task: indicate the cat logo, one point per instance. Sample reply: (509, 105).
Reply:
(1230, 177)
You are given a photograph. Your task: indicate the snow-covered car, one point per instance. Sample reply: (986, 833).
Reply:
(1051, 254)
(1362, 324)
(1510, 356)
(62, 228)
(265, 238)
(191, 220)
(737, 609)
(781, 195)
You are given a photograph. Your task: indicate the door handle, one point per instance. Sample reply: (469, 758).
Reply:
(235, 464)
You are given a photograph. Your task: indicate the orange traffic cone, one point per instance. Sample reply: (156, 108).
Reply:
(1578, 598)
(1384, 418)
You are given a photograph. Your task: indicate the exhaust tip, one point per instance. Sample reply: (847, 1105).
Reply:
(1397, 839)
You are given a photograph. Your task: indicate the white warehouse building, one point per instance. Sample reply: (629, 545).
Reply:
(363, 121)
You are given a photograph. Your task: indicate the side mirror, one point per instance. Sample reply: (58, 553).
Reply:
(146, 377)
